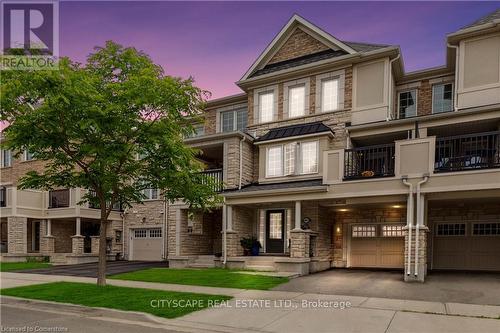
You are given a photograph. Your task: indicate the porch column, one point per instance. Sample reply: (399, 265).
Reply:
(78, 231)
(49, 227)
(178, 232)
(229, 218)
(77, 240)
(298, 215)
(94, 244)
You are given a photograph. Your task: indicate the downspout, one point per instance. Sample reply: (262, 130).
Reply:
(389, 116)
(419, 221)
(165, 228)
(224, 233)
(455, 95)
(241, 161)
(409, 221)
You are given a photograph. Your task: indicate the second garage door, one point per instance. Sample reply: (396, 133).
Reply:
(146, 244)
(467, 245)
(377, 246)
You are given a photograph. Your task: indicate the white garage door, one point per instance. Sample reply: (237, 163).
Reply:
(146, 244)
(467, 246)
(377, 246)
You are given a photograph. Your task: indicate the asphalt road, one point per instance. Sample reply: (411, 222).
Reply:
(43, 321)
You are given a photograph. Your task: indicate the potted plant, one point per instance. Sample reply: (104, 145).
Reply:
(250, 245)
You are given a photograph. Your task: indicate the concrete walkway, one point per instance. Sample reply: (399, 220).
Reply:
(281, 311)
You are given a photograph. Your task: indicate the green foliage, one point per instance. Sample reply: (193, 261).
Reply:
(121, 298)
(38, 259)
(90, 123)
(249, 242)
(19, 266)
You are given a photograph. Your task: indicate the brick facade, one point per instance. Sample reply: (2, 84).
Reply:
(298, 44)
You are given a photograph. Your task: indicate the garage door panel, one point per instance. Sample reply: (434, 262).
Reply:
(146, 244)
(468, 251)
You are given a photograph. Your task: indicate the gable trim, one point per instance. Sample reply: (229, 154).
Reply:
(296, 22)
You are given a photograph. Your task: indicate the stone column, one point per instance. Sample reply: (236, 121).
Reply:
(17, 230)
(300, 240)
(94, 244)
(420, 257)
(47, 245)
(233, 246)
(77, 244)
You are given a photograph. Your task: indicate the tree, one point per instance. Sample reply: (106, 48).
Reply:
(114, 127)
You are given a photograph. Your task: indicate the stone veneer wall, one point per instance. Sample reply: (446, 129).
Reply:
(232, 168)
(298, 44)
(152, 213)
(244, 220)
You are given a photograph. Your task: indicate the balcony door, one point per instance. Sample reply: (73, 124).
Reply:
(275, 231)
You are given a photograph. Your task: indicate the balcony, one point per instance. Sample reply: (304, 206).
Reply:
(59, 198)
(116, 207)
(468, 152)
(215, 176)
(369, 162)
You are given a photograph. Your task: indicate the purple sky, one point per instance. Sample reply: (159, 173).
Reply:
(216, 42)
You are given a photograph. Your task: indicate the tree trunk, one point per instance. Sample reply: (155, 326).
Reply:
(101, 267)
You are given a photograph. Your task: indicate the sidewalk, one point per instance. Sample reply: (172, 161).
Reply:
(279, 311)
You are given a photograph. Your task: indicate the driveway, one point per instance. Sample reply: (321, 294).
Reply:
(90, 269)
(471, 288)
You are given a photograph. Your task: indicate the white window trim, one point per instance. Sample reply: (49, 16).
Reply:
(151, 193)
(25, 156)
(399, 102)
(452, 96)
(477, 235)
(306, 82)
(2, 164)
(438, 224)
(218, 111)
(235, 119)
(256, 101)
(340, 75)
(298, 159)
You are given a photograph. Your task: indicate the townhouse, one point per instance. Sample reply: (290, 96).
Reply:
(333, 156)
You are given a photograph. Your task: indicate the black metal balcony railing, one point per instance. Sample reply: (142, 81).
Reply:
(369, 162)
(468, 152)
(216, 176)
(118, 206)
(59, 198)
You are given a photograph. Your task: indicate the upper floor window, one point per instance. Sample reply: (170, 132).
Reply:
(407, 105)
(198, 130)
(150, 193)
(329, 95)
(6, 158)
(234, 120)
(442, 98)
(59, 198)
(297, 101)
(28, 156)
(266, 107)
(292, 159)
(3, 196)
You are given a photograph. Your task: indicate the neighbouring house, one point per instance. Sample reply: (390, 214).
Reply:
(333, 156)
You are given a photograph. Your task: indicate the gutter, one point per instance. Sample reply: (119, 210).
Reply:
(256, 193)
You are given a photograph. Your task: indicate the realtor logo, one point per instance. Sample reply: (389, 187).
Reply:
(30, 34)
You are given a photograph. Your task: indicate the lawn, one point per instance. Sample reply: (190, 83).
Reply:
(17, 266)
(175, 304)
(210, 277)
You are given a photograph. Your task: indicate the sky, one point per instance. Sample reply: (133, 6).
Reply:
(216, 42)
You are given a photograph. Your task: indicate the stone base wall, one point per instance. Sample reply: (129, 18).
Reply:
(47, 245)
(17, 235)
(299, 247)
(420, 258)
(62, 230)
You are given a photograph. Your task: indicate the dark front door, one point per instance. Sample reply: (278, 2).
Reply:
(275, 231)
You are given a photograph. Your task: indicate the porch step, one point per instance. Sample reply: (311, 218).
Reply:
(261, 268)
(195, 265)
